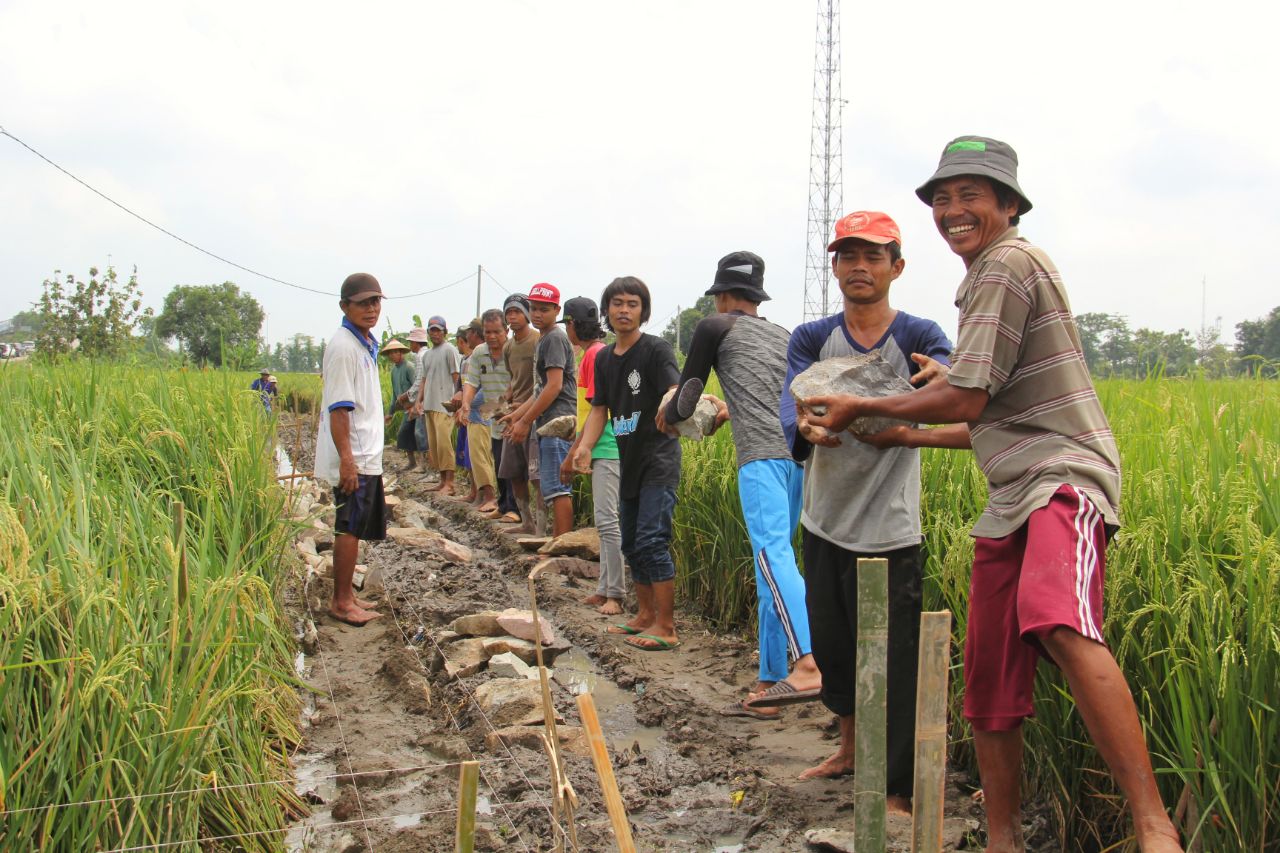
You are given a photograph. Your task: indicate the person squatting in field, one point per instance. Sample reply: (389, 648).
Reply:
(631, 378)
(582, 325)
(860, 501)
(554, 396)
(749, 355)
(349, 445)
(1020, 395)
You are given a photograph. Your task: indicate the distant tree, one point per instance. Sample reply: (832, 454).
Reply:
(686, 320)
(23, 326)
(215, 324)
(1258, 342)
(1107, 343)
(1163, 353)
(98, 316)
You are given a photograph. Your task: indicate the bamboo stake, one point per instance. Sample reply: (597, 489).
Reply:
(931, 732)
(604, 769)
(465, 837)
(296, 476)
(563, 798)
(870, 720)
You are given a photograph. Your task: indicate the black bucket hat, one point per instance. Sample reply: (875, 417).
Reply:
(977, 155)
(741, 271)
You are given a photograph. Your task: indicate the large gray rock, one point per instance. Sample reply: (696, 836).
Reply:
(698, 425)
(431, 542)
(570, 567)
(508, 700)
(858, 375)
(465, 657)
(519, 623)
(565, 426)
(482, 624)
(583, 542)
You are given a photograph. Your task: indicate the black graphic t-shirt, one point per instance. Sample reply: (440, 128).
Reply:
(631, 385)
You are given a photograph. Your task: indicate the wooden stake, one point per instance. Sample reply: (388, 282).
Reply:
(563, 798)
(604, 769)
(870, 716)
(931, 732)
(465, 837)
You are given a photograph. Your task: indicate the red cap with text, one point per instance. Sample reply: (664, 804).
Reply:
(543, 292)
(869, 225)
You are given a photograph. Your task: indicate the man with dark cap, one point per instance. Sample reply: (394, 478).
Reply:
(1019, 393)
(749, 355)
(349, 445)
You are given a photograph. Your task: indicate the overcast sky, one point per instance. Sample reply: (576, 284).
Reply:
(573, 142)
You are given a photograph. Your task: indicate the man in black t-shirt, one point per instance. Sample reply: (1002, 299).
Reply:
(631, 378)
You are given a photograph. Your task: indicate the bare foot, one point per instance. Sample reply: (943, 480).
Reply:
(525, 530)
(1162, 838)
(594, 600)
(487, 507)
(611, 607)
(897, 805)
(833, 768)
(353, 615)
(367, 605)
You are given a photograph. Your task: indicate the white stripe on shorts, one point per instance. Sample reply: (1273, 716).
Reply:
(1086, 522)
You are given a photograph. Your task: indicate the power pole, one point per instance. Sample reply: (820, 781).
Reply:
(826, 172)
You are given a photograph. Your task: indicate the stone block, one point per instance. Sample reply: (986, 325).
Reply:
(519, 623)
(859, 375)
(508, 700)
(565, 426)
(483, 624)
(507, 665)
(522, 649)
(572, 739)
(698, 425)
(583, 542)
(431, 542)
(532, 543)
(465, 657)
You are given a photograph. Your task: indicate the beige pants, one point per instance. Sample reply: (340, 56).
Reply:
(479, 438)
(440, 440)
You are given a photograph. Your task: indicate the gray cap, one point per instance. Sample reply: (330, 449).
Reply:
(741, 271)
(977, 155)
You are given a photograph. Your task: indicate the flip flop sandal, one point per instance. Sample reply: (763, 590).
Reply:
(782, 694)
(623, 628)
(659, 644)
(738, 709)
(510, 518)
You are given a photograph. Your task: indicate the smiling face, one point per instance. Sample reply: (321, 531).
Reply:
(865, 270)
(969, 215)
(544, 315)
(363, 315)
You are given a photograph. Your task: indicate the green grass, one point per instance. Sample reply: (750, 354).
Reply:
(140, 656)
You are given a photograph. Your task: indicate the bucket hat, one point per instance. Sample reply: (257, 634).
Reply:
(741, 271)
(977, 155)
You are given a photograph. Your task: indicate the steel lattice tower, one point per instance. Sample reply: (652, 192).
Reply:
(826, 174)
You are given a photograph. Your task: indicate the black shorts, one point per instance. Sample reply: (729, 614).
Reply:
(362, 514)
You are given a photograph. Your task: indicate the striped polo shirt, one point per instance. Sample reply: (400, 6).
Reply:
(1043, 426)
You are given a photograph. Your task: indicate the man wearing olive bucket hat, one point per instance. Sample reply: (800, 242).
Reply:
(1020, 395)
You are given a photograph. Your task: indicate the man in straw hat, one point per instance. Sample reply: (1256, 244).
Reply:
(401, 382)
(1019, 393)
(349, 446)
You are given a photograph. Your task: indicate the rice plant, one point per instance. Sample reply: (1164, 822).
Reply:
(144, 668)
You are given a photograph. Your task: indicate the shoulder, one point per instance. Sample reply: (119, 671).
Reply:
(816, 331)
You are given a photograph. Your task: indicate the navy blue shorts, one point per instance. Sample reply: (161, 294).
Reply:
(362, 514)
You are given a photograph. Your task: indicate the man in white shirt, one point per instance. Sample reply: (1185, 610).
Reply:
(349, 446)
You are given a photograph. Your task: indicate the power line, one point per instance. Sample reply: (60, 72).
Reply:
(201, 249)
(495, 281)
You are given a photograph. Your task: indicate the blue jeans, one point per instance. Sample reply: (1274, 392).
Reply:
(771, 491)
(551, 453)
(646, 533)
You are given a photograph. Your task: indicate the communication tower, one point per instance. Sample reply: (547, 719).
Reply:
(826, 175)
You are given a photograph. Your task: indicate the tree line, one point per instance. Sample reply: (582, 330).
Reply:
(220, 325)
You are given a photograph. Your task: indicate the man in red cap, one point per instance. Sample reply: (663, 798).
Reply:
(1019, 393)
(860, 501)
(555, 395)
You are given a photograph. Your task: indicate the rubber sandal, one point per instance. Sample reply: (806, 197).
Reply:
(659, 644)
(781, 694)
(509, 518)
(623, 628)
(738, 709)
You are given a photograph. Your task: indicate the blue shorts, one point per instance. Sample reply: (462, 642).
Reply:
(551, 454)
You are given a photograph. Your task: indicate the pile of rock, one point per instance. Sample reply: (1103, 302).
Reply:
(501, 641)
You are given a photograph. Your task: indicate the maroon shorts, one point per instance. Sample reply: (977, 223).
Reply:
(1046, 575)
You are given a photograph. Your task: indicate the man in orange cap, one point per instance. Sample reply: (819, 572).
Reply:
(1019, 393)
(860, 501)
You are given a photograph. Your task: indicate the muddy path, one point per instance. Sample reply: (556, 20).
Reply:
(386, 726)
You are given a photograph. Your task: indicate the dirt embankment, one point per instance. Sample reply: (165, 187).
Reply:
(387, 725)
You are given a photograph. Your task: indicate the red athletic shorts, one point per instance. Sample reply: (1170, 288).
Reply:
(1046, 575)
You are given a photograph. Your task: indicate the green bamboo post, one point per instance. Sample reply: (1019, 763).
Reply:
(468, 779)
(870, 716)
(931, 732)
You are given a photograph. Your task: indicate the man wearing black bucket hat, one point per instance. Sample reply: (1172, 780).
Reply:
(1019, 393)
(749, 355)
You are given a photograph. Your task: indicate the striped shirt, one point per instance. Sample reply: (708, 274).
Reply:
(490, 379)
(1043, 426)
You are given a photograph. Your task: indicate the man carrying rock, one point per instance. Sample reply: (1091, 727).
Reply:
(554, 396)
(749, 355)
(483, 384)
(631, 378)
(439, 379)
(860, 501)
(1019, 393)
(519, 460)
(349, 445)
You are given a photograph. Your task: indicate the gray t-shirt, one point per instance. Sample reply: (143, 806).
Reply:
(554, 350)
(863, 499)
(438, 365)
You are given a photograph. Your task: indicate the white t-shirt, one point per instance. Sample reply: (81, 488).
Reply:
(350, 376)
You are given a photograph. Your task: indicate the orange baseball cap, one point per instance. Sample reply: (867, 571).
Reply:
(869, 225)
